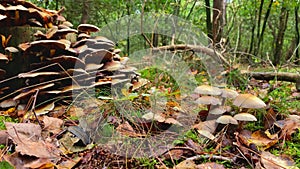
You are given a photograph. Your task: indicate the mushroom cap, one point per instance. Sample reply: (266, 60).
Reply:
(18, 7)
(83, 35)
(2, 8)
(248, 101)
(113, 66)
(93, 66)
(35, 74)
(98, 56)
(50, 44)
(208, 100)
(3, 57)
(209, 90)
(2, 17)
(245, 117)
(229, 93)
(11, 49)
(226, 119)
(32, 91)
(8, 103)
(216, 109)
(87, 28)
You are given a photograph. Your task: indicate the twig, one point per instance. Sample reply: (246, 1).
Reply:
(215, 157)
(33, 107)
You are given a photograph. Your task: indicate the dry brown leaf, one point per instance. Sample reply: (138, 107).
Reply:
(41, 163)
(28, 140)
(271, 161)
(210, 165)
(269, 119)
(291, 125)
(68, 163)
(186, 164)
(258, 138)
(52, 124)
(175, 154)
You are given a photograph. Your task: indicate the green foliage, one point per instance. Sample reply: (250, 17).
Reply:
(4, 119)
(148, 162)
(282, 101)
(291, 148)
(190, 134)
(5, 165)
(235, 78)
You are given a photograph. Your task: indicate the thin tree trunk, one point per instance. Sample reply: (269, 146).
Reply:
(259, 17)
(264, 27)
(217, 20)
(85, 11)
(252, 41)
(297, 34)
(208, 19)
(280, 36)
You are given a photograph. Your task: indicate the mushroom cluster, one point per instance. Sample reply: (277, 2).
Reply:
(20, 12)
(63, 60)
(215, 98)
(59, 66)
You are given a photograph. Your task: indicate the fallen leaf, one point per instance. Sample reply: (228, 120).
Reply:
(291, 125)
(210, 165)
(258, 138)
(28, 140)
(271, 161)
(52, 124)
(269, 119)
(186, 164)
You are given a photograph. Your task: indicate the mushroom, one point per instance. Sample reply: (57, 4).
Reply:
(227, 119)
(207, 90)
(87, 28)
(208, 100)
(244, 117)
(248, 101)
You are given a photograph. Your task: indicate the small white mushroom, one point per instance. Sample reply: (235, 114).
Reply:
(227, 119)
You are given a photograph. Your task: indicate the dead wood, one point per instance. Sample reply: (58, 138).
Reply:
(195, 48)
(282, 76)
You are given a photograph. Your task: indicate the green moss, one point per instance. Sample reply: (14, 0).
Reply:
(4, 119)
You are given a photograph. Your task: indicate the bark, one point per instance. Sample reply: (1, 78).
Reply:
(259, 17)
(208, 19)
(264, 27)
(297, 34)
(282, 76)
(217, 26)
(85, 11)
(201, 49)
(280, 36)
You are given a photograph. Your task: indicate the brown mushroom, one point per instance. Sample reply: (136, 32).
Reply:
(87, 28)
(248, 101)
(208, 90)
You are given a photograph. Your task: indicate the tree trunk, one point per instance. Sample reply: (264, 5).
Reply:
(217, 26)
(208, 19)
(264, 27)
(297, 34)
(85, 11)
(280, 35)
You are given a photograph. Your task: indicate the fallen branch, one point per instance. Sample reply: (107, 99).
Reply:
(196, 48)
(282, 76)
